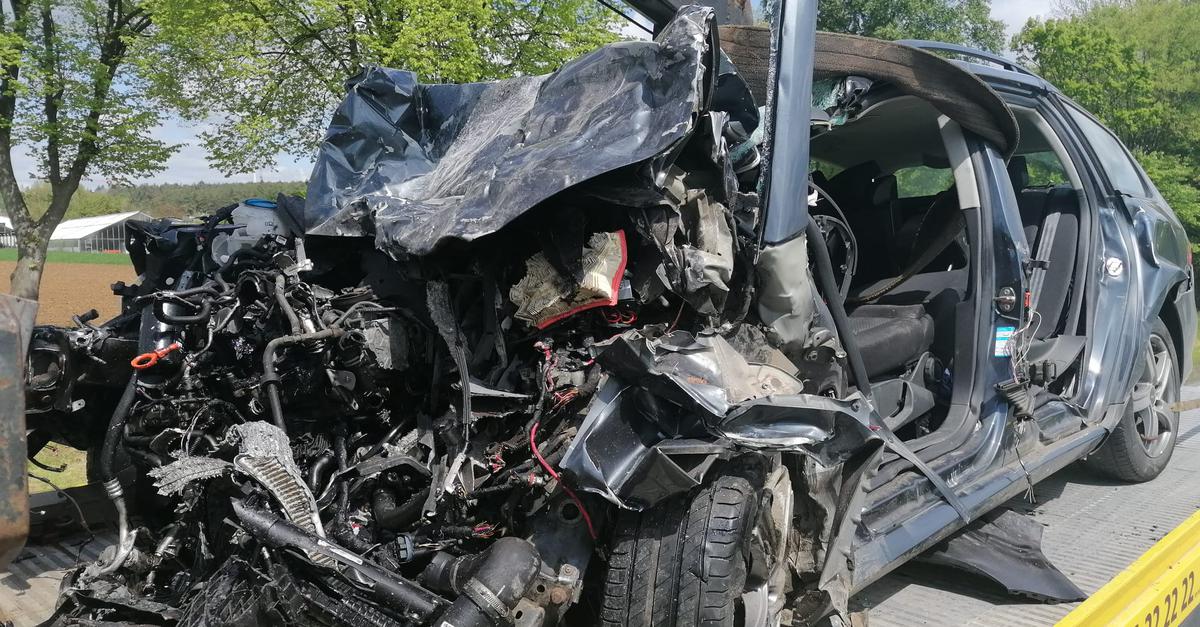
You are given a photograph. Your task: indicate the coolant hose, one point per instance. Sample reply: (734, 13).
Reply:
(112, 485)
(203, 311)
(281, 298)
(490, 586)
(116, 427)
(271, 381)
(837, 307)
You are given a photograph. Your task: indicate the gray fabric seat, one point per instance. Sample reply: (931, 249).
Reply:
(1056, 247)
(939, 293)
(891, 336)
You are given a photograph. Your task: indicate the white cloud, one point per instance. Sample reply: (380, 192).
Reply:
(1014, 13)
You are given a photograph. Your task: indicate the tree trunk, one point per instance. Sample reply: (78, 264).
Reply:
(26, 278)
(33, 236)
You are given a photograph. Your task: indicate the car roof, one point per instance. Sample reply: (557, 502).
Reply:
(992, 68)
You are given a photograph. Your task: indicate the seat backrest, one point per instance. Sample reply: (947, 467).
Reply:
(1052, 286)
(1032, 203)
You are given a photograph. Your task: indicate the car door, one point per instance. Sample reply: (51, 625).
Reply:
(1132, 239)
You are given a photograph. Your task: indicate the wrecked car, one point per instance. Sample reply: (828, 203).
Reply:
(590, 347)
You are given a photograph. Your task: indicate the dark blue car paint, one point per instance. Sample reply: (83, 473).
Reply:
(1003, 457)
(1155, 282)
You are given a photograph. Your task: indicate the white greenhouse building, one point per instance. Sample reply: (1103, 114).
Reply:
(95, 234)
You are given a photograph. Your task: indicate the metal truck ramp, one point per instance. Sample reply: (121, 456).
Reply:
(1094, 529)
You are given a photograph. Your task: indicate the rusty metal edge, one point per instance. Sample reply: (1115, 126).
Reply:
(16, 325)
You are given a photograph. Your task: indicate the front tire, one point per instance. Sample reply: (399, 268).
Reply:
(706, 558)
(1141, 445)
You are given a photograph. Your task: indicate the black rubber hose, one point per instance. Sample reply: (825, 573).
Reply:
(271, 381)
(394, 516)
(388, 587)
(489, 588)
(200, 317)
(116, 428)
(837, 307)
(317, 469)
(281, 298)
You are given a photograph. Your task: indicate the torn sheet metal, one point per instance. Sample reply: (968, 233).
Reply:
(639, 442)
(172, 478)
(415, 164)
(1006, 547)
(265, 455)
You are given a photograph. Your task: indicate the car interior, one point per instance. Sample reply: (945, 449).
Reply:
(885, 177)
(888, 207)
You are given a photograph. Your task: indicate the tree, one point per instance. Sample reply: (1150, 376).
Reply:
(68, 97)
(1134, 64)
(273, 70)
(954, 21)
(1165, 35)
(1103, 73)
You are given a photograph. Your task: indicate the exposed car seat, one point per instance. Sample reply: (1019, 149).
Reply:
(867, 196)
(938, 292)
(891, 336)
(1050, 216)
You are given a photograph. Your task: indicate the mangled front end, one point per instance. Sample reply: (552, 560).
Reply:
(503, 311)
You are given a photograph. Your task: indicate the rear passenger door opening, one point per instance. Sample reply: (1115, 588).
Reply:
(1056, 222)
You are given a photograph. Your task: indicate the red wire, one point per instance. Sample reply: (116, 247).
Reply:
(571, 493)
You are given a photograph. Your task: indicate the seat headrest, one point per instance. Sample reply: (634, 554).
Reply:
(1018, 172)
(886, 191)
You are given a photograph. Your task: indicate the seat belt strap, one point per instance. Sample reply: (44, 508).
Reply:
(1045, 246)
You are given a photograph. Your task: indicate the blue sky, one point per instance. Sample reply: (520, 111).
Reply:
(189, 165)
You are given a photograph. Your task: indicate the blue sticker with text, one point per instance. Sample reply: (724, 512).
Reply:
(1003, 338)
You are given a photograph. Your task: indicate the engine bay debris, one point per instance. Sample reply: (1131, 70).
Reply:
(503, 312)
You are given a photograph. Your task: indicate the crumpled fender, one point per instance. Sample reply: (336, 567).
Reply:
(675, 404)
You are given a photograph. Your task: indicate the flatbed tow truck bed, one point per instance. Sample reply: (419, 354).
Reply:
(1095, 530)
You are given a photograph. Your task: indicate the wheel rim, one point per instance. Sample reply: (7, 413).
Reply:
(1155, 423)
(763, 606)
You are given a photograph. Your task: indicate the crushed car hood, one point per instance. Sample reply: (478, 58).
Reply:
(414, 165)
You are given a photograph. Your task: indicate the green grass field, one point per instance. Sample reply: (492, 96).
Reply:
(61, 256)
(55, 456)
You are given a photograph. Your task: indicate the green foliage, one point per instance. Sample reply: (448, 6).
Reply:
(273, 70)
(920, 181)
(196, 199)
(67, 256)
(84, 203)
(955, 21)
(1100, 71)
(1045, 169)
(80, 107)
(1166, 37)
(1135, 64)
(169, 200)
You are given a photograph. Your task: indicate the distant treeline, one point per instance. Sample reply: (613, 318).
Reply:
(167, 200)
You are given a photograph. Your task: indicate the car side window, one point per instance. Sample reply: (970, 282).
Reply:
(1045, 169)
(922, 181)
(1117, 163)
